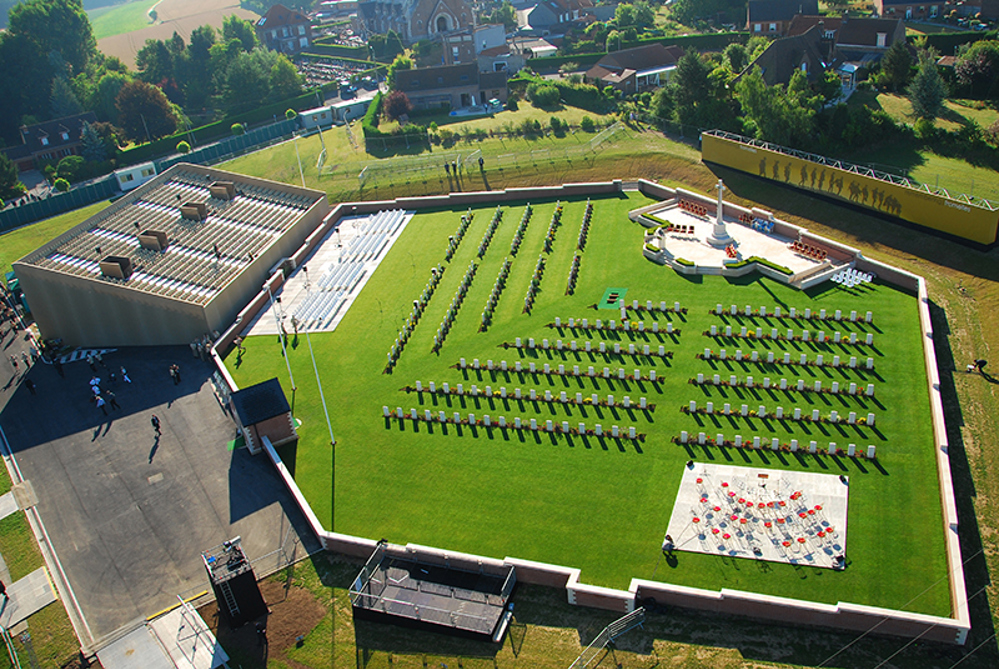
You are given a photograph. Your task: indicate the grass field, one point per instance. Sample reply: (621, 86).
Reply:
(51, 636)
(963, 285)
(16, 244)
(121, 19)
(594, 504)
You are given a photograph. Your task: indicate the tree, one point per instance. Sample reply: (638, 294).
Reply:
(624, 15)
(290, 114)
(690, 88)
(144, 108)
(247, 81)
(92, 148)
(197, 75)
(69, 167)
(10, 185)
(586, 124)
(927, 91)
(285, 81)
(504, 14)
(234, 27)
(25, 83)
(61, 185)
(237, 129)
(183, 147)
(400, 63)
(56, 25)
(775, 114)
(396, 104)
(662, 105)
(155, 61)
(543, 94)
(977, 69)
(63, 100)
(645, 16)
(105, 93)
(896, 66)
(736, 57)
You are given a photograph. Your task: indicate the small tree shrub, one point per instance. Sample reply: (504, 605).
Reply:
(238, 129)
(61, 185)
(290, 114)
(183, 147)
(587, 124)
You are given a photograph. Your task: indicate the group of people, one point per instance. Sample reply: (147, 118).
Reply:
(201, 346)
(105, 398)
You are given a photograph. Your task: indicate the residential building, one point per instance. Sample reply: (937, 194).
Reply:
(286, 30)
(635, 70)
(554, 16)
(907, 9)
(465, 45)
(785, 55)
(49, 141)
(451, 86)
(415, 20)
(859, 40)
(772, 17)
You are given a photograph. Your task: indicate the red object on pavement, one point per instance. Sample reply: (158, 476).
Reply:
(696, 519)
(700, 480)
(801, 540)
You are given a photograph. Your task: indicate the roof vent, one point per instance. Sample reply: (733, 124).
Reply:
(222, 190)
(116, 267)
(195, 211)
(154, 240)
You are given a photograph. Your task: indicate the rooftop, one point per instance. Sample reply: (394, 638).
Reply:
(200, 256)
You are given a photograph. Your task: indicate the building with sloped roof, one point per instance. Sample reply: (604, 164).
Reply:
(50, 141)
(451, 86)
(860, 40)
(415, 20)
(772, 17)
(785, 55)
(174, 259)
(635, 70)
(286, 30)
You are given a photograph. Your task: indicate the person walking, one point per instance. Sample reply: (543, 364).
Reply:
(3, 590)
(30, 385)
(124, 376)
(90, 361)
(156, 424)
(13, 363)
(111, 400)
(101, 405)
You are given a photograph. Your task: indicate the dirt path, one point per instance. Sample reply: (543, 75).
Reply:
(180, 16)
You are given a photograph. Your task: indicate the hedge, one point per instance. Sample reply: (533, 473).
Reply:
(325, 45)
(213, 131)
(707, 42)
(760, 261)
(947, 43)
(369, 124)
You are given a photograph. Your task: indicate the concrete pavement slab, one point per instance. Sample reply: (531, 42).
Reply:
(26, 596)
(8, 504)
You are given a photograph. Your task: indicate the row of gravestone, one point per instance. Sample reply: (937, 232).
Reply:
(518, 394)
(561, 370)
(800, 386)
(792, 313)
(805, 336)
(518, 423)
(779, 414)
(775, 444)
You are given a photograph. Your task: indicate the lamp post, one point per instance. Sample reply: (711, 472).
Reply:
(284, 348)
(315, 368)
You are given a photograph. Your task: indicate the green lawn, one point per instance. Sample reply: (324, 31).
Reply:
(52, 637)
(18, 243)
(122, 18)
(599, 506)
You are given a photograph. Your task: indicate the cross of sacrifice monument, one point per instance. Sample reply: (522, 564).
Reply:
(719, 235)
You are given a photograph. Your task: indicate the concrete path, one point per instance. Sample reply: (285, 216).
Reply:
(8, 505)
(26, 596)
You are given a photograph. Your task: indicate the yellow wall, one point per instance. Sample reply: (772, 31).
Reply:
(932, 211)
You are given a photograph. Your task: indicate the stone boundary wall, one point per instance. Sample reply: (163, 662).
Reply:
(842, 615)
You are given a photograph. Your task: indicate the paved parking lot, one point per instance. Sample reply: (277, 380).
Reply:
(129, 513)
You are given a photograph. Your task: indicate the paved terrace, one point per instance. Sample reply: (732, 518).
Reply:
(693, 246)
